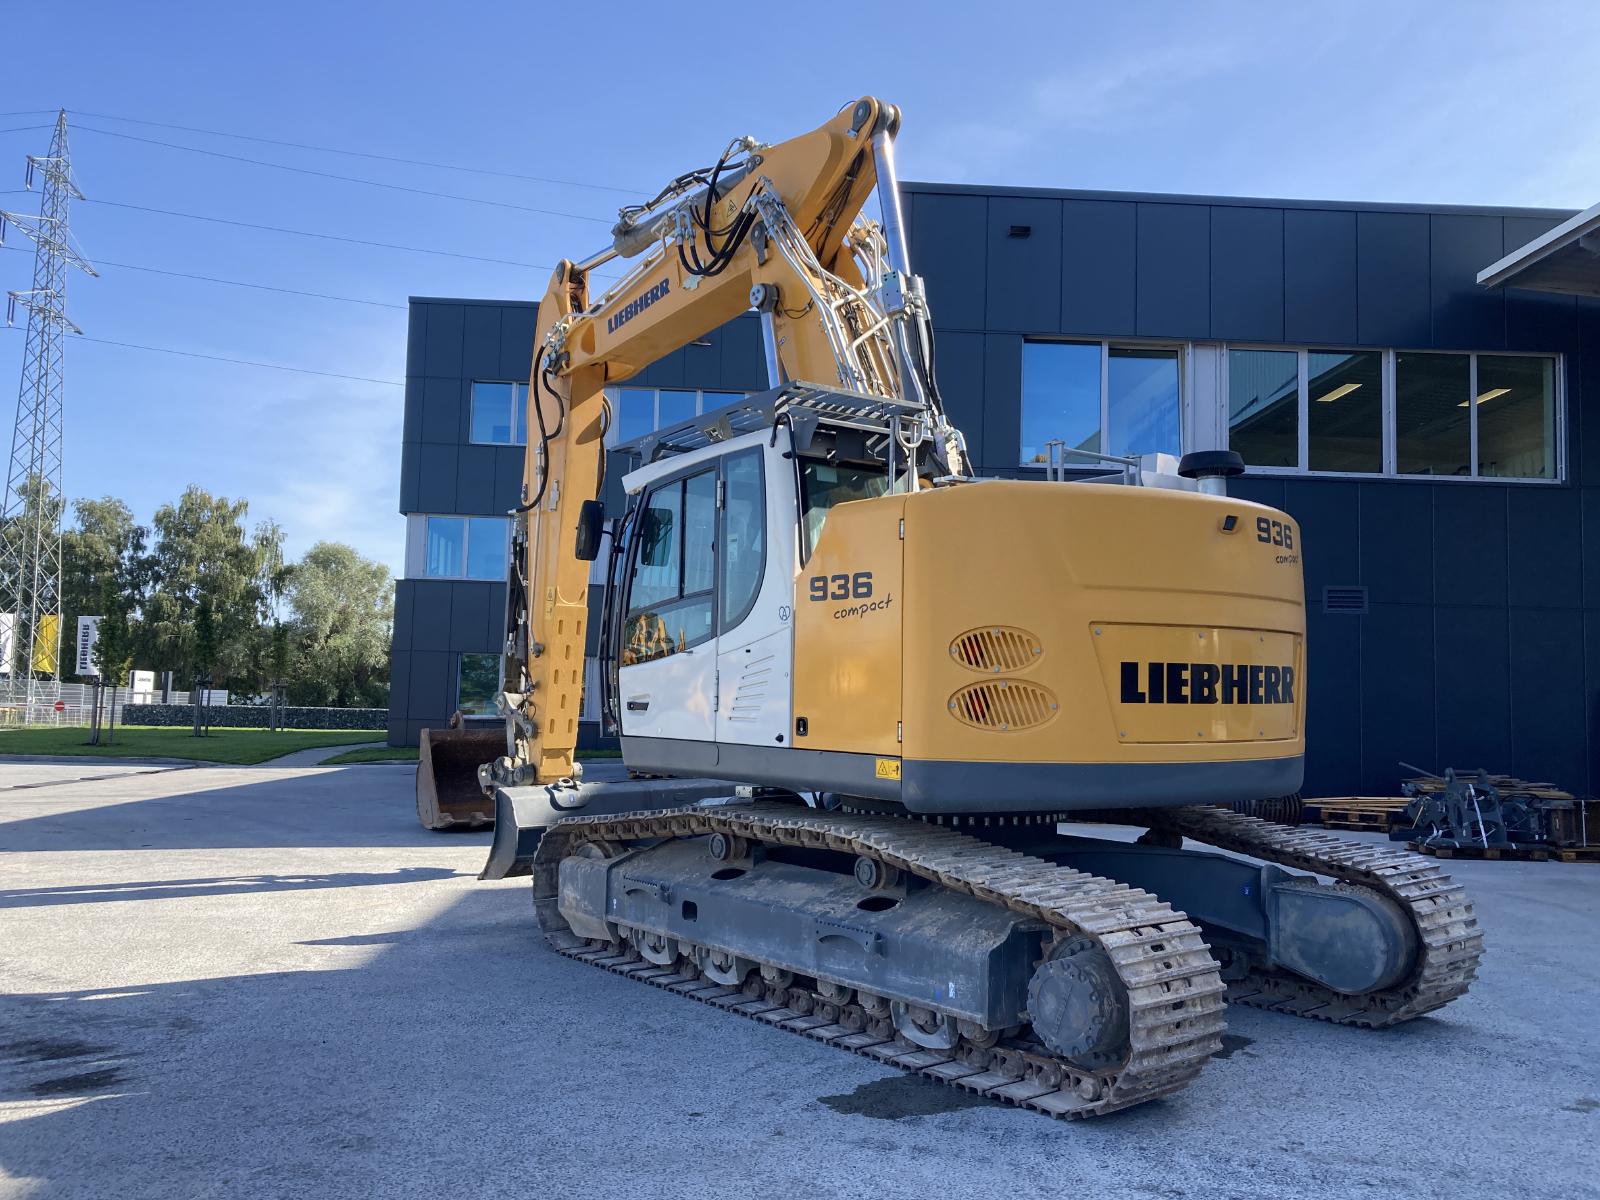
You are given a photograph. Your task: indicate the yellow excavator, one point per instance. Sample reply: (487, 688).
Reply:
(868, 700)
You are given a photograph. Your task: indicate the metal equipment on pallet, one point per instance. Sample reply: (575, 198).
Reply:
(1465, 810)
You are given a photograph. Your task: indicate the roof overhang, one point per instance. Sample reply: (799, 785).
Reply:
(1566, 259)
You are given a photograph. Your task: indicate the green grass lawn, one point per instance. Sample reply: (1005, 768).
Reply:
(374, 754)
(242, 746)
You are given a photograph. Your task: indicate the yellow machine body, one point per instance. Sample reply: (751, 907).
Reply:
(1018, 645)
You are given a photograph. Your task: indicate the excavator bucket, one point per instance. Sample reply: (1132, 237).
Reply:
(448, 759)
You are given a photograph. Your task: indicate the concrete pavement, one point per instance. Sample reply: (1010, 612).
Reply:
(269, 982)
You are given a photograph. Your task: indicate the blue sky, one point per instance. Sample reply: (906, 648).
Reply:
(1483, 103)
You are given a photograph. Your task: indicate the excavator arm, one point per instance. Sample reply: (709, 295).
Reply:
(773, 228)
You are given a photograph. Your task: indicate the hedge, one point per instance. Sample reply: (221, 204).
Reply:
(253, 716)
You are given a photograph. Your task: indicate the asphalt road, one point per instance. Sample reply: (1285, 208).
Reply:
(267, 982)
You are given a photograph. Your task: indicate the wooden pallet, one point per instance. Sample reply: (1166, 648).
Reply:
(1376, 814)
(1578, 854)
(1491, 853)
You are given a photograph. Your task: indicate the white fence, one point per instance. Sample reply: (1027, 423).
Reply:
(75, 701)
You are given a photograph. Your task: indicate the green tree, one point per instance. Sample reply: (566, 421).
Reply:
(105, 549)
(114, 646)
(202, 553)
(342, 609)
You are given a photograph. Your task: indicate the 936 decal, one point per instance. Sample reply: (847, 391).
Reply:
(1277, 533)
(842, 587)
(856, 586)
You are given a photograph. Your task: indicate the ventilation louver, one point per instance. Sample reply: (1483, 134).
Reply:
(1348, 601)
(996, 648)
(1005, 705)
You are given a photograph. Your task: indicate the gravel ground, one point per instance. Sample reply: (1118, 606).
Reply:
(269, 982)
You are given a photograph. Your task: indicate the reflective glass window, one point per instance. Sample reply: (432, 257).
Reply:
(493, 420)
(478, 684)
(447, 547)
(1432, 419)
(1516, 416)
(1264, 407)
(486, 547)
(1060, 397)
(1344, 423)
(1142, 407)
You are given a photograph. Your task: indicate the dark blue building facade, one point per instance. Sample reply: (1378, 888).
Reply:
(1426, 434)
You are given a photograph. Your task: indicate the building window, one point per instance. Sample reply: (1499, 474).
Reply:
(1516, 416)
(1395, 412)
(638, 411)
(1432, 424)
(478, 684)
(1264, 406)
(1092, 396)
(466, 548)
(1142, 411)
(1345, 410)
(499, 413)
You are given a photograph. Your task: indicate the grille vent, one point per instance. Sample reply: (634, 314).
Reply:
(1347, 601)
(1005, 705)
(996, 648)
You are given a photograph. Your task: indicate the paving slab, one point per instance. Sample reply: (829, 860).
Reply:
(270, 982)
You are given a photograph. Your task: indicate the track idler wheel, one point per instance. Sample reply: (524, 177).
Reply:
(1079, 1007)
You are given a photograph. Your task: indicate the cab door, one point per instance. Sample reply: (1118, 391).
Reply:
(667, 660)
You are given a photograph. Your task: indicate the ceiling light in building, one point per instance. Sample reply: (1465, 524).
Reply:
(1344, 389)
(1485, 397)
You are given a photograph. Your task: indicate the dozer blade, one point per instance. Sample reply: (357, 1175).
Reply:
(448, 793)
(522, 814)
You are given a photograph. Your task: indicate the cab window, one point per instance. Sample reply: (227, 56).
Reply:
(744, 536)
(670, 595)
(823, 485)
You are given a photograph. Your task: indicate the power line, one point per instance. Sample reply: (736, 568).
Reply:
(393, 187)
(240, 362)
(24, 128)
(329, 237)
(28, 112)
(414, 162)
(264, 287)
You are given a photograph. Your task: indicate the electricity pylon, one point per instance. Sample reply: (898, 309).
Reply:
(30, 520)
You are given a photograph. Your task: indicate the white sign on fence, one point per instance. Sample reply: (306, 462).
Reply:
(8, 627)
(141, 681)
(88, 635)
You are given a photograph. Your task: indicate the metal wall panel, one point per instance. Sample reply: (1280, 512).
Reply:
(416, 337)
(1247, 279)
(508, 461)
(1023, 288)
(1544, 535)
(436, 478)
(958, 359)
(517, 328)
(1397, 543)
(1174, 271)
(1392, 272)
(475, 475)
(1099, 249)
(1397, 695)
(1472, 683)
(744, 363)
(404, 595)
(445, 407)
(480, 334)
(410, 461)
(1319, 277)
(1333, 705)
(948, 248)
(1465, 316)
(432, 694)
(442, 358)
(1469, 544)
(1548, 710)
(430, 614)
(1002, 414)
(469, 618)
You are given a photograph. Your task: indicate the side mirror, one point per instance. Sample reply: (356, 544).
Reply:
(591, 525)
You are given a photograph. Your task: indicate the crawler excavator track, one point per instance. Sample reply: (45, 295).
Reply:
(1175, 995)
(1449, 941)
(1175, 987)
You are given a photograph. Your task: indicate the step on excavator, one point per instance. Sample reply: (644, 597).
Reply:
(868, 701)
